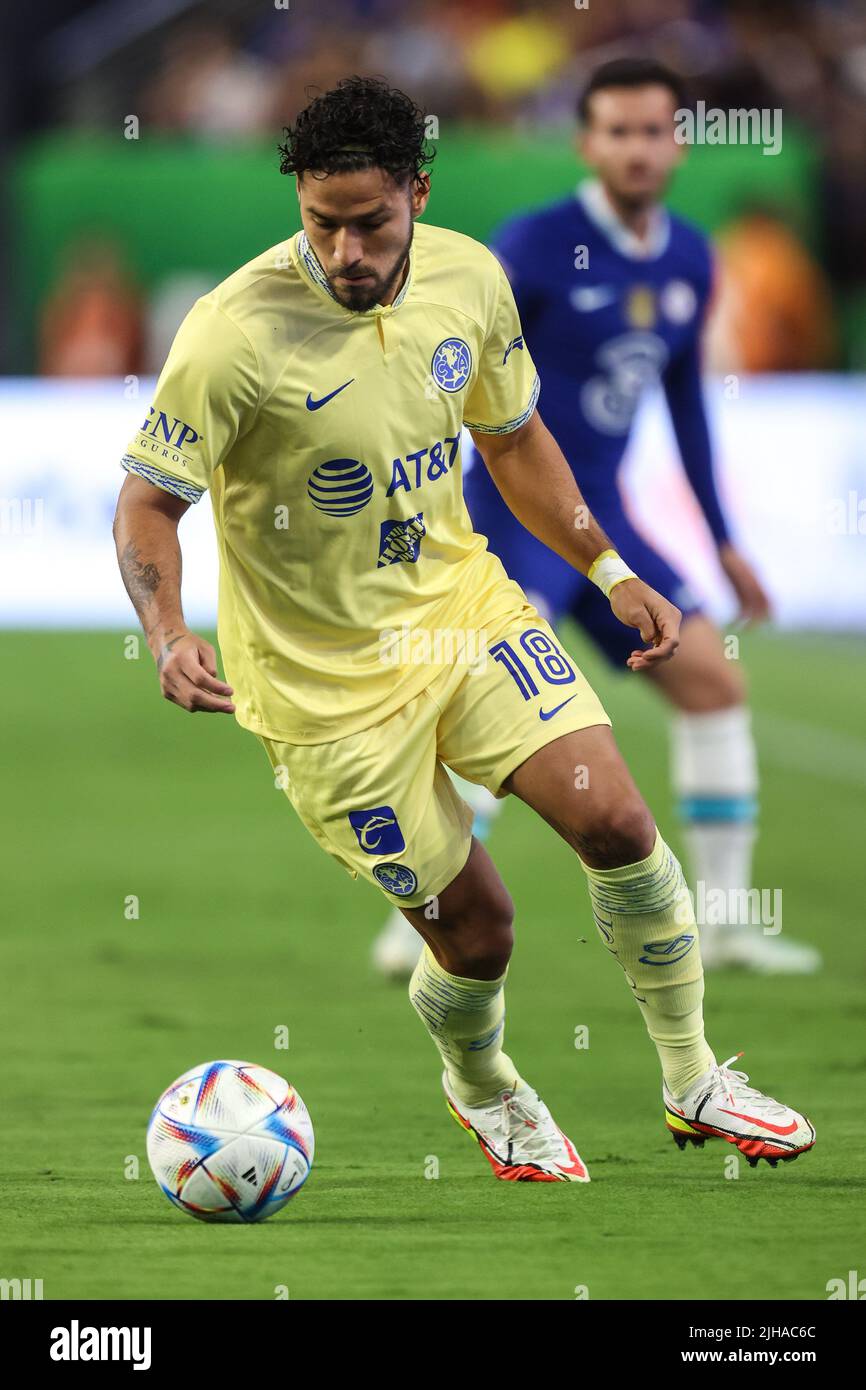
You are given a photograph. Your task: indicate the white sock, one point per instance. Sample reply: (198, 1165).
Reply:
(715, 777)
(484, 804)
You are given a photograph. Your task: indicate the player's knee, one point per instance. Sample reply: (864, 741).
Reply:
(480, 947)
(623, 833)
(729, 687)
(722, 687)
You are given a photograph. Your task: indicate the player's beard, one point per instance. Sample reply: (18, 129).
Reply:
(633, 202)
(362, 297)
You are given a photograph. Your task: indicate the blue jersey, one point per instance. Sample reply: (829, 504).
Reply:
(604, 316)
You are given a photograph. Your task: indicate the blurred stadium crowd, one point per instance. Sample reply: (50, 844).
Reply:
(234, 70)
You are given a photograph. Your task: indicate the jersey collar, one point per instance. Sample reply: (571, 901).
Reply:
(312, 266)
(598, 209)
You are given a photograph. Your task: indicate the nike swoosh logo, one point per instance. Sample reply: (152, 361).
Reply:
(765, 1124)
(591, 297)
(577, 1164)
(549, 713)
(317, 405)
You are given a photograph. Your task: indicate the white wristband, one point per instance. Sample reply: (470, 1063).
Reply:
(609, 569)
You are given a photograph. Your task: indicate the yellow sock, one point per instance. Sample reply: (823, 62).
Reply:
(645, 916)
(466, 1020)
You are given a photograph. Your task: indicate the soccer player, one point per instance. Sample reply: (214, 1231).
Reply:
(612, 293)
(370, 638)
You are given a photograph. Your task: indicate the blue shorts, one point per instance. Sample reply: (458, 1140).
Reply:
(555, 588)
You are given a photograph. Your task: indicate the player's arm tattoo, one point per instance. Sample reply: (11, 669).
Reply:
(141, 577)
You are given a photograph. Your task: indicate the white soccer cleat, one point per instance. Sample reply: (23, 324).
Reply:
(721, 1106)
(748, 948)
(397, 948)
(519, 1138)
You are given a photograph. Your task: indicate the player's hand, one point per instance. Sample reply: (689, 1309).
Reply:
(751, 595)
(657, 621)
(188, 675)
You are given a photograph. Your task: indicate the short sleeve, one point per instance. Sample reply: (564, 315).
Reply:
(505, 391)
(205, 399)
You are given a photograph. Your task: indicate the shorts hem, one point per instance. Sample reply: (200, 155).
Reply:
(540, 739)
(433, 889)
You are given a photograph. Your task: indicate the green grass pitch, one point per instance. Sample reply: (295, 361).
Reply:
(245, 926)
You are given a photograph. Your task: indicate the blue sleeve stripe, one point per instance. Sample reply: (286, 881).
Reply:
(512, 424)
(151, 474)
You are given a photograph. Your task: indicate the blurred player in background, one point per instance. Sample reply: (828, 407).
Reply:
(612, 293)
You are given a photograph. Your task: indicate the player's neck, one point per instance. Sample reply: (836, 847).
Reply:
(394, 289)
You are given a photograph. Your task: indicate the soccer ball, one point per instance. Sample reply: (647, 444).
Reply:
(230, 1141)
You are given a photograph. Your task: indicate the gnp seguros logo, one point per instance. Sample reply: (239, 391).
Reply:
(167, 435)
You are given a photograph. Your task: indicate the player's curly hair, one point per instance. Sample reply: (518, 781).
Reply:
(362, 123)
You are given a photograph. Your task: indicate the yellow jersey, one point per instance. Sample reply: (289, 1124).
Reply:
(330, 442)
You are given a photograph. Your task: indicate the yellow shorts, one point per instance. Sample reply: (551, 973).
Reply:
(381, 801)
